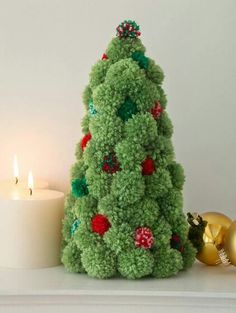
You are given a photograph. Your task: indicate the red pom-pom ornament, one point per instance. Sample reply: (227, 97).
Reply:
(100, 224)
(156, 110)
(104, 56)
(148, 166)
(144, 238)
(85, 140)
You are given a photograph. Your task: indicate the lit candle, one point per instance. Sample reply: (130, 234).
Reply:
(16, 169)
(20, 183)
(30, 183)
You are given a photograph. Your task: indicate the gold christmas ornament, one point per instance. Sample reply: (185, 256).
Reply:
(223, 258)
(213, 237)
(230, 243)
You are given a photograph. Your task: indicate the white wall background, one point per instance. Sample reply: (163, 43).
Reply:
(47, 48)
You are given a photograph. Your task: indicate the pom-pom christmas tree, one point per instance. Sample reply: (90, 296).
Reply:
(124, 213)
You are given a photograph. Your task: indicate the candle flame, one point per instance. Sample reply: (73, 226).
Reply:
(15, 169)
(30, 182)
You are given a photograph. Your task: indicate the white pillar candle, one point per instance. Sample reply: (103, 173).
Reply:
(30, 228)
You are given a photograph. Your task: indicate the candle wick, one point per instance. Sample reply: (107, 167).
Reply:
(31, 191)
(16, 180)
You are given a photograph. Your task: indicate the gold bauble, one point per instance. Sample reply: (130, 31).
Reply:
(213, 237)
(230, 243)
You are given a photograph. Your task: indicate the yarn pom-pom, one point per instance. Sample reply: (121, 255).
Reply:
(175, 243)
(110, 164)
(156, 110)
(142, 60)
(128, 29)
(85, 140)
(104, 56)
(100, 224)
(148, 166)
(127, 110)
(74, 226)
(92, 109)
(143, 238)
(79, 187)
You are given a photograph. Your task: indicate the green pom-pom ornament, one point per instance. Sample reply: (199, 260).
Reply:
(99, 262)
(128, 28)
(79, 187)
(127, 110)
(142, 60)
(135, 263)
(71, 258)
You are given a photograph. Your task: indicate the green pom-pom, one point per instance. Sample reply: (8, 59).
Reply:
(69, 217)
(177, 175)
(79, 187)
(122, 48)
(128, 187)
(128, 28)
(167, 263)
(158, 184)
(120, 238)
(135, 263)
(189, 254)
(92, 109)
(85, 127)
(154, 72)
(142, 60)
(87, 95)
(99, 262)
(127, 110)
(71, 258)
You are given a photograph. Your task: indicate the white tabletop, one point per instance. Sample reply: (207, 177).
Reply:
(201, 284)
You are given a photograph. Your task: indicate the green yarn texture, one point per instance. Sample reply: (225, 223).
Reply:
(119, 98)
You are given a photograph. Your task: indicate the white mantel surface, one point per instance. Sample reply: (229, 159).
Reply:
(53, 290)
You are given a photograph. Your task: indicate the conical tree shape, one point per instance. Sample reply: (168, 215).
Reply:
(124, 213)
